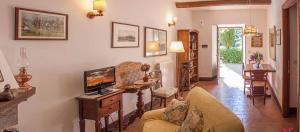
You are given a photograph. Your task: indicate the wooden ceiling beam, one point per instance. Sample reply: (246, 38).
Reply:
(220, 3)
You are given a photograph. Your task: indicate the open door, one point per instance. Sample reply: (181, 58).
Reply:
(215, 52)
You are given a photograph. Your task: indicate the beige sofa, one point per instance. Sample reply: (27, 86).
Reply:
(217, 118)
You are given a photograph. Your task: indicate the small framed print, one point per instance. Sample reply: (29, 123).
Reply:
(272, 43)
(1, 77)
(40, 25)
(278, 37)
(257, 41)
(125, 35)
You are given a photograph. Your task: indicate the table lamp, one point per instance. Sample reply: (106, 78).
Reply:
(6, 74)
(176, 47)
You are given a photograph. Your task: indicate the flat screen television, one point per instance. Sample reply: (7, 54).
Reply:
(99, 80)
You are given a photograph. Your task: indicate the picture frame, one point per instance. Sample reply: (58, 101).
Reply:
(272, 43)
(1, 77)
(278, 37)
(33, 24)
(158, 36)
(125, 35)
(257, 41)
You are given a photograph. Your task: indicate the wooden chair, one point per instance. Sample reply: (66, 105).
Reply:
(246, 77)
(258, 79)
(158, 91)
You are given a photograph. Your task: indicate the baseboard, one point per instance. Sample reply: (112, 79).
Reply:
(274, 96)
(207, 78)
(127, 119)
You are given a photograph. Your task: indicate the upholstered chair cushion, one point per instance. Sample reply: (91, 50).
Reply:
(129, 77)
(124, 70)
(165, 92)
(176, 111)
(194, 121)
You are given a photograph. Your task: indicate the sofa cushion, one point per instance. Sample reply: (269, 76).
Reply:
(216, 115)
(159, 126)
(193, 122)
(176, 112)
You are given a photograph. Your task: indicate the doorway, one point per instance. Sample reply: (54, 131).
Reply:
(290, 59)
(230, 54)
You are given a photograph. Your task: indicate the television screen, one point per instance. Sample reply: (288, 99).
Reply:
(96, 80)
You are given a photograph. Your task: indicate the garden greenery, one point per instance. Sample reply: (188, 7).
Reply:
(231, 55)
(228, 37)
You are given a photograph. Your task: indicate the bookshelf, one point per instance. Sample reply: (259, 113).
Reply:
(190, 40)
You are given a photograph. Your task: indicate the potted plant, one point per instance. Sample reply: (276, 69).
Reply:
(257, 57)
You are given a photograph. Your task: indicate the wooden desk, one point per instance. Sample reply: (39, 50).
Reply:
(267, 67)
(95, 107)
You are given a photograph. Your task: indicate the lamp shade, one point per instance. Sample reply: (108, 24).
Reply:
(99, 5)
(153, 46)
(6, 74)
(176, 47)
(250, 30)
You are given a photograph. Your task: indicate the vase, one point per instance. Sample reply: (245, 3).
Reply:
(258, 64)
(146, 78)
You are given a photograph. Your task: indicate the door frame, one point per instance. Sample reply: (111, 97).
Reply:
(286, 56)
(218, 45)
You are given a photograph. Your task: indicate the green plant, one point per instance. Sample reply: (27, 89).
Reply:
(232, 55)
(228, 37)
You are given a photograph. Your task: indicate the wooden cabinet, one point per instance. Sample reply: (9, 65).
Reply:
(95, 107)
(190, 40)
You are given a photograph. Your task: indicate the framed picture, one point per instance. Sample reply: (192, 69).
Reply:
(257, 41)
(40, 25)
(1, 77)
(125, 35)
(155, 42)
(278, 37)
(272, 43)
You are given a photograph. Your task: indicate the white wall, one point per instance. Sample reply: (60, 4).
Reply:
(275, 18)
(214, 17)
(57, 66)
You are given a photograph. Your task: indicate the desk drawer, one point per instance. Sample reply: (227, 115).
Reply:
(111, 100)
(104, 111)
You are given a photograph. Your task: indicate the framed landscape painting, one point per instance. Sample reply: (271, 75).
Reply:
(125, 35)
(40, 25)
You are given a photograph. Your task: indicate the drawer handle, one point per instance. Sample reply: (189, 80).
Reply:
(111, 100)
(110, 108)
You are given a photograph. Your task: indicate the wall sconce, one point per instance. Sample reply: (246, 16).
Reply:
(99, 6)
(172, 22)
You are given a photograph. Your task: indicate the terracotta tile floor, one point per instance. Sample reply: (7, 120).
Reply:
(256, 118)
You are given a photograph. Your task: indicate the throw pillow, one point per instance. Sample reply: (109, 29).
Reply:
(194, 121)
(176, 112)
